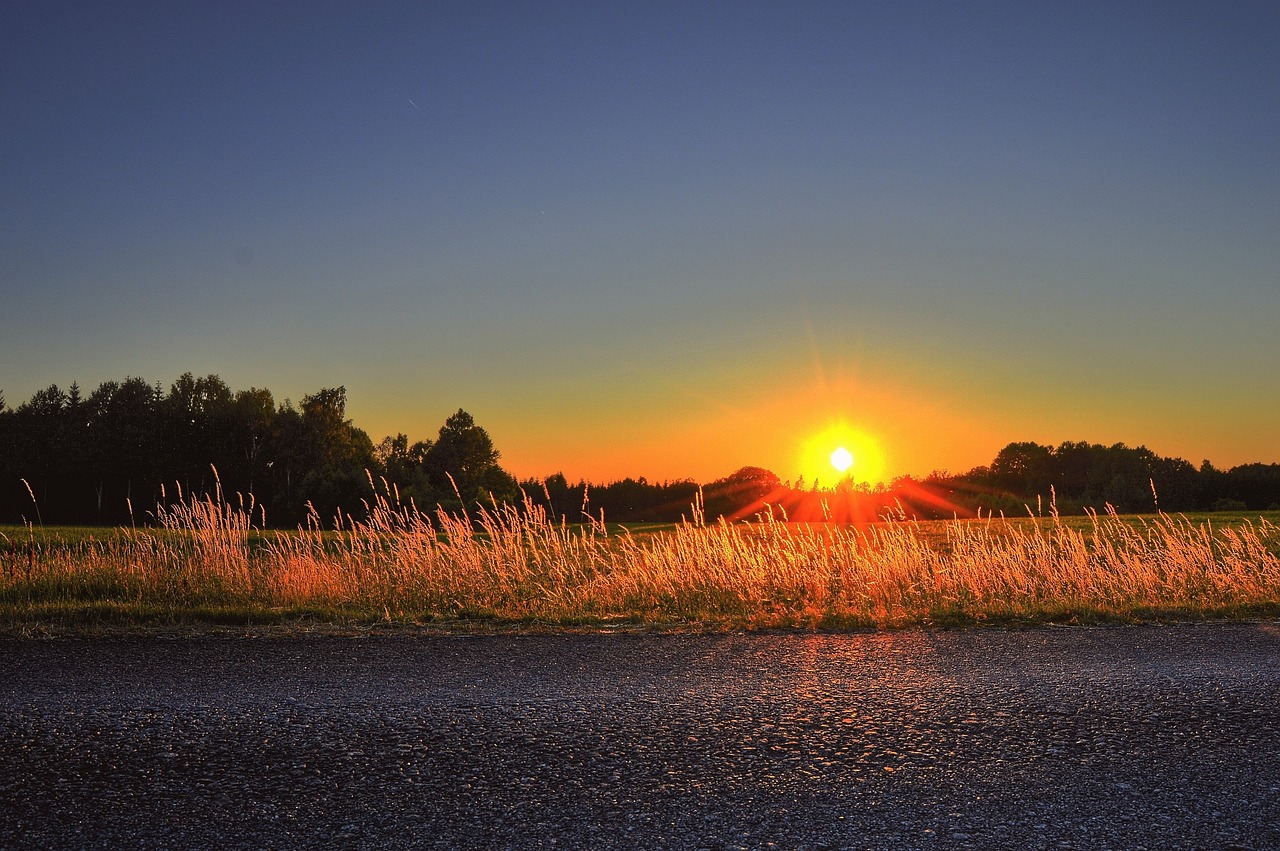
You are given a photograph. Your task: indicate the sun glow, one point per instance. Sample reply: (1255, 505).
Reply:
(841, 453)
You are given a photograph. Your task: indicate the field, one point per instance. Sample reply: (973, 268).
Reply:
(203, 564)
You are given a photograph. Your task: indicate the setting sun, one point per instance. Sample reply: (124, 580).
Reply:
(846, 452)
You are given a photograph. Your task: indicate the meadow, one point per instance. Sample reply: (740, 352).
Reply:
(202, 563)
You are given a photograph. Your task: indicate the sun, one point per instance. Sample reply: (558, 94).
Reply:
(841, 452)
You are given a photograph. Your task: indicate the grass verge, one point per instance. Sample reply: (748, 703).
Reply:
(514, 569)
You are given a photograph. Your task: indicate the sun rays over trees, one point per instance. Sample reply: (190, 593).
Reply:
(112, 456)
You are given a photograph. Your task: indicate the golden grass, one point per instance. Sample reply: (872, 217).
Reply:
(205, 561)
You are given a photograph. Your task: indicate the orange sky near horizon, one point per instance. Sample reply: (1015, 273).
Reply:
(789, 422)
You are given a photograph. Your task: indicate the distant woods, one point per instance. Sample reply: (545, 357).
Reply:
(111, 457)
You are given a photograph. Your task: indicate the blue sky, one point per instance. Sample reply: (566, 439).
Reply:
(661, 239)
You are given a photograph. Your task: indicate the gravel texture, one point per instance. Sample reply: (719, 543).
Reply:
(1143, 737)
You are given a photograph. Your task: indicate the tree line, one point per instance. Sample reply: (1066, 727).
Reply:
(112, 456)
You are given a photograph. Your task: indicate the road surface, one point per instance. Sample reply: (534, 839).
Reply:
(1137, 737)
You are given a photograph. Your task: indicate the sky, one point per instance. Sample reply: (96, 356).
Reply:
(663, 239)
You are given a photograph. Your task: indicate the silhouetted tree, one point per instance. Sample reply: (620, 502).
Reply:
(1025, 468)
(124, 457)
(36, 425)
(562, 500)
(197, 425)
(463, 457)
(404, 465)
(1213, 484)
(1256, 485)
(743, 492)
(252, 413)
(336, 455)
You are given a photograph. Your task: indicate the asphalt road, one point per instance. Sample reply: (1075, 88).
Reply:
(1151, 737)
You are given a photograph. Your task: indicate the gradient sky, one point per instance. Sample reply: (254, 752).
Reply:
(661, 240)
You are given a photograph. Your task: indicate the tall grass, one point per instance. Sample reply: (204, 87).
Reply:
(204, 560)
